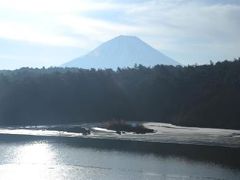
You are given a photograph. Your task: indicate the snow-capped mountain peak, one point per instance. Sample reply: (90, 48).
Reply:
(121, 51)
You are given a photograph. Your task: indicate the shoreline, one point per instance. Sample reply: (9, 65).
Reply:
(162, 133)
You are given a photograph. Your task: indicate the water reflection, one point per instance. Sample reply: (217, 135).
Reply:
(50, 160)
(31, 161)
(35, 153)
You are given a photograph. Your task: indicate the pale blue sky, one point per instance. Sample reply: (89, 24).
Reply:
(47, 33)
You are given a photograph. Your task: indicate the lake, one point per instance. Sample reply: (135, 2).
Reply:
(56, 159)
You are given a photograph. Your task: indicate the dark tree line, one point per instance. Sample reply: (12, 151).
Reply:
(206, 96)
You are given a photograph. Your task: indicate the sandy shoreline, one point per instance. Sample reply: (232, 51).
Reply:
(164, 133)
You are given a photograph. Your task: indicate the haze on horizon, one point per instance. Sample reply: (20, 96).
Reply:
(49, 33)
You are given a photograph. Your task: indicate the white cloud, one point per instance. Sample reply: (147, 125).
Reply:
(55, 6)
(184, 27)
(28, 33)
(54, 22)
(95, 29)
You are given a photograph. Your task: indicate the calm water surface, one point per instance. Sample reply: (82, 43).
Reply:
(48, 160)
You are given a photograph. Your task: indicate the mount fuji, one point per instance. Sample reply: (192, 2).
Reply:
(121, 51)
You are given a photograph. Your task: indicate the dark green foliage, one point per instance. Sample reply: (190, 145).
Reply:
(207, 96)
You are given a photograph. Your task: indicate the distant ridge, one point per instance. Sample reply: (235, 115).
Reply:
(121, 51)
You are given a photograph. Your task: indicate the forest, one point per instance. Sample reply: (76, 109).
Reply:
(203, 96)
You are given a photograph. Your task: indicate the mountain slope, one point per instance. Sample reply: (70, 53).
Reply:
(122, 51)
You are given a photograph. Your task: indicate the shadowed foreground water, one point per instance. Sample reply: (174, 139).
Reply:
(48, 159)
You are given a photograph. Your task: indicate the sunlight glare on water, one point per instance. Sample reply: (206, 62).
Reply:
(31, 161)
(45, 160)
(36, 153)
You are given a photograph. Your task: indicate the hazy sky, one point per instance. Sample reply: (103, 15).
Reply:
(40, 33)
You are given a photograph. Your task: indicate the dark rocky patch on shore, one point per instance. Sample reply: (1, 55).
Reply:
(122, 126)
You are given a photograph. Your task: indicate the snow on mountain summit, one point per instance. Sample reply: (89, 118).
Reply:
(121, 51)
